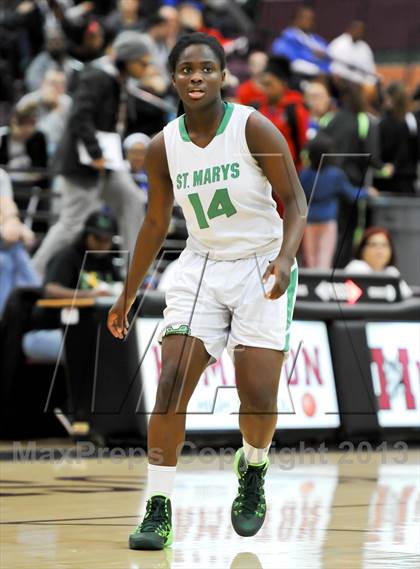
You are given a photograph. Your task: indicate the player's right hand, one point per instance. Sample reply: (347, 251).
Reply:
(117, 321)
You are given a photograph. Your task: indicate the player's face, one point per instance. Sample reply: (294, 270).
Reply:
(198, 77)
(377, 251)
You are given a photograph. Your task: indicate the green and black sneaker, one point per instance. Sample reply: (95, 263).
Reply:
(249, 507)
(155, 531)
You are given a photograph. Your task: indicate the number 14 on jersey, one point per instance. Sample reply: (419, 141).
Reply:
(220, 204)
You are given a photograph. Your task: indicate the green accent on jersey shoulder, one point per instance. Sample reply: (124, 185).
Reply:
(182, 330)
(291, 297)
(222, 126)
(226, 118)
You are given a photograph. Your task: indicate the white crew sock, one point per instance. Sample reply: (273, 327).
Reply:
(255, 456)
(160, 480)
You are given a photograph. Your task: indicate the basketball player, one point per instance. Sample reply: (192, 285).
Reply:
(220, 162)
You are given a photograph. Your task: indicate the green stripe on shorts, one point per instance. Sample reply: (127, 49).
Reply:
(291, 296)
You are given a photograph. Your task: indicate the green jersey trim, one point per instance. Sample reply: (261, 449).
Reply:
(291, 296)
(222, 126)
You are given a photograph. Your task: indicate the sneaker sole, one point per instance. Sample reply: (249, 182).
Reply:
(143, 544)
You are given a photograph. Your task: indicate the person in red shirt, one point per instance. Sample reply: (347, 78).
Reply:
(251, 92)
(285, 108)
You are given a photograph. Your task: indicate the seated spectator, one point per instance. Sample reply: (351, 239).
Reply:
(54, 56)
(376, 253)
(85, 34)
(191, 20)
(22, 31)
(67, 275)
(284, 107)
(135, 147)
(170, 14)
(307, 52)
(324, 184)
(251, 92)
(22, 146)
(84, 269)
(320, 105)
(351, 56)
(158, 28)
(52, 106)
(399, 133)
(127, 16)
(15, 264)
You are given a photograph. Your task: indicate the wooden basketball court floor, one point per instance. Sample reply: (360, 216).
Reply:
(334, 510)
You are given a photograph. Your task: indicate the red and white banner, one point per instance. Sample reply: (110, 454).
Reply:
(395, 368)
(307, 395)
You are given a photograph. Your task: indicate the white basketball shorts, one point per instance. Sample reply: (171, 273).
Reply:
(223, 304)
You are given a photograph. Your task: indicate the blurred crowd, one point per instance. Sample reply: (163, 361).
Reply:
(83, 80)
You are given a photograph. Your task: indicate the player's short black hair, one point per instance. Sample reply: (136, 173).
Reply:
(193, 39)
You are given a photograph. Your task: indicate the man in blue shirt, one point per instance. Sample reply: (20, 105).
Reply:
(307, 52)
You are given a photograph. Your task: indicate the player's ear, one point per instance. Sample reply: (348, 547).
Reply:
(223, 76)
(173, 79)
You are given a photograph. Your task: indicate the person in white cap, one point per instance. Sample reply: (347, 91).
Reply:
(84, 176)
(135, 148)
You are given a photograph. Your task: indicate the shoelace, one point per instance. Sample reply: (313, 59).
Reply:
(251, 483)
(155, 515)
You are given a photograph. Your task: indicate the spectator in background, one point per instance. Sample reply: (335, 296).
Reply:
(135, 147)
(21, 27)
(15, 264)
(52, 106)
(88, 42)
(191, 20)
(351, 56)
(72, 273)
(320, 105)
(306, 51)
(399, 131)
(127, 16)
(356, 141)
(284, 107)
(22, 146)
(170, 14)
(324, 184)
(85, 34)
(376, 253)
(54, 56)
(159, 29)
(99, 105)
(251, 92)
(83, 269)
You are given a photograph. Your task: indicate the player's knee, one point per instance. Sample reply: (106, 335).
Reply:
(168, 396)
(258, 402)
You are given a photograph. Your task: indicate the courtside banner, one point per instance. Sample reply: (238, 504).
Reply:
(395, 366)
(307, 395)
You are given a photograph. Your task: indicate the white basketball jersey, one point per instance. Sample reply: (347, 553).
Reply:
(224, 195)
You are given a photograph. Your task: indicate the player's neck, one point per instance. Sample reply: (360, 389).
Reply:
(204, 121)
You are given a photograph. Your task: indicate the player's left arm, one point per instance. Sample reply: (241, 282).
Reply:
(269, 148)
